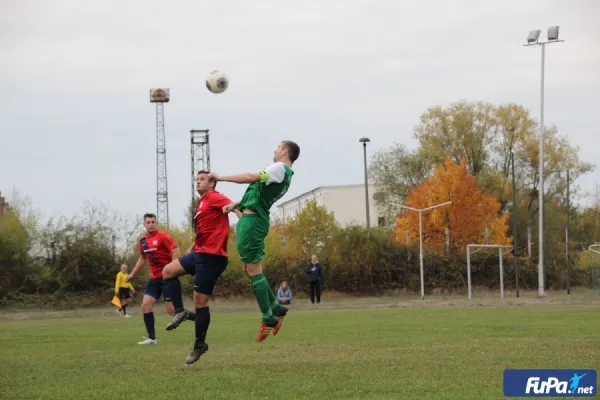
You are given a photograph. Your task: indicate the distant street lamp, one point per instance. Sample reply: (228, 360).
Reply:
(364, 141)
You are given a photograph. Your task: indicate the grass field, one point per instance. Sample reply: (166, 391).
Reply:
(344, 349)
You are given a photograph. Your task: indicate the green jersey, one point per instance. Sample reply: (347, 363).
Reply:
(274, 182)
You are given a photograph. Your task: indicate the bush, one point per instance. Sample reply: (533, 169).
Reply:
(73, 263)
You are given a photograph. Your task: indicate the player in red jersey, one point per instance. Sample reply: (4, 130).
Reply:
(206, 259)
(158, 248)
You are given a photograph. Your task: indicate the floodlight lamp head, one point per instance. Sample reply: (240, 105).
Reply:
(364, 140)
(533, 36)
(553, 33)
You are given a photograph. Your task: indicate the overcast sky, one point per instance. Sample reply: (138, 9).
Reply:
(76, 122)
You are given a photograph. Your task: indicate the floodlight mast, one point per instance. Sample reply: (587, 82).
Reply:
(161, 96)
(200, 158)
(420, 211)
(533, 40)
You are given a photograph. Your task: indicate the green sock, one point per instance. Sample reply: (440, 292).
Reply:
(261, 291)
(273, 301)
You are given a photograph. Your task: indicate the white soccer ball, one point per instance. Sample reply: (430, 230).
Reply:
(217, 82)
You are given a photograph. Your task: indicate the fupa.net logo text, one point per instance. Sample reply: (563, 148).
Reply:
(550, 383)
(554, 385)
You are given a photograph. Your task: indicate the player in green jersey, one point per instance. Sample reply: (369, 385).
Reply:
(266, 187)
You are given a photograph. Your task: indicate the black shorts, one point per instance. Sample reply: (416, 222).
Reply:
(124, 293)
(157, 288)
(205, 268)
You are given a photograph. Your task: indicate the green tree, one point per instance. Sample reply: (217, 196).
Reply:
(76, 257)
(394, 172)
(513, 127)
(84, 259)
(314, 228)
(14, 247)
(461, 130)
(559, 155)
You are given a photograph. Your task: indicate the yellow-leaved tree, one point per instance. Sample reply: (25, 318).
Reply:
(471, 212)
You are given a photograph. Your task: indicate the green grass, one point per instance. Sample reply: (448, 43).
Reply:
(375, 353)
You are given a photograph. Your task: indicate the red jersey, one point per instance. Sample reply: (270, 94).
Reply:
(211, 225)
(157, 250)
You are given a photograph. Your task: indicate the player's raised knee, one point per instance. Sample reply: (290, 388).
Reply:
(253, 269)
(172, 270)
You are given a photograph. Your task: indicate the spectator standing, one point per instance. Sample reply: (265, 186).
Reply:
(314, 273)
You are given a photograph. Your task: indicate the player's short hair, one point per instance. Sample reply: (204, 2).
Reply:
(203, 171)
(292, 148)
(149, 215)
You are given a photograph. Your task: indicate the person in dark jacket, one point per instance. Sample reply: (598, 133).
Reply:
(314, 273)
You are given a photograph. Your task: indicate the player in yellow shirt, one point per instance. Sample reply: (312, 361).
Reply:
(124, 290)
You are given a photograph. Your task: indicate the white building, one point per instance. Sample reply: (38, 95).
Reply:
(346, 201)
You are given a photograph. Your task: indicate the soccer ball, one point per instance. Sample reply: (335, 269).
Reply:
(217, 82)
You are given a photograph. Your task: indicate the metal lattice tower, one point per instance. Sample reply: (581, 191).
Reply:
(200, 155)
(161, 96)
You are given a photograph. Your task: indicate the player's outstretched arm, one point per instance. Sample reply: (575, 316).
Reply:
(230, 207)
(272, 174)
(138, 265)
(249, 177)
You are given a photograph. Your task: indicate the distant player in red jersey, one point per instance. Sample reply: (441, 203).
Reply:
(206, 259)
(158, 248)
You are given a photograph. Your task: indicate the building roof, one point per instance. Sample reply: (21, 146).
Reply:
(320, 188)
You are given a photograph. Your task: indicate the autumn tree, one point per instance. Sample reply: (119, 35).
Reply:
(486, 135)
(471, 212)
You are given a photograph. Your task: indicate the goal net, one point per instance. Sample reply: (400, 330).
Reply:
(500, 256)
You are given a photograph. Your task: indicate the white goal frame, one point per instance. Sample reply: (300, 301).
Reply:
(500, 254)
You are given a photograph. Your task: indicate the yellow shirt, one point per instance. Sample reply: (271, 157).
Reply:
(121, 283)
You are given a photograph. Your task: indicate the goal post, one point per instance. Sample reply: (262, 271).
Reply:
(595, 268)
(500, 255)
